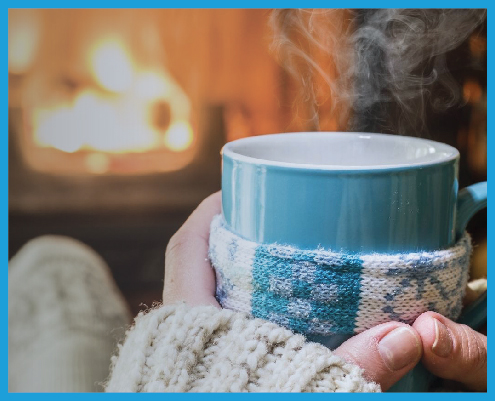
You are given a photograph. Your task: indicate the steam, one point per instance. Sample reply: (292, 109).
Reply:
(373, 60)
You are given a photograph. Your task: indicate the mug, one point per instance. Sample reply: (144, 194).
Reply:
(350, 192)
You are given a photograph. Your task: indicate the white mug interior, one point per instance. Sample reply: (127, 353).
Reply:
(339, 150)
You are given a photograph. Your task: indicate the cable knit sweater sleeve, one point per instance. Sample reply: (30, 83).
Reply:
(203, 349)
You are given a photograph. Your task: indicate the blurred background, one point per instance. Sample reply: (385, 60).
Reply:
(117, 118)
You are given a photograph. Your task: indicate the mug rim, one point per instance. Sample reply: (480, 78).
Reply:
(229, 152)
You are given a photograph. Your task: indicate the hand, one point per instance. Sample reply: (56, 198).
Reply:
(453, 351)
(450, 351)
(189, 276)
(386, 352)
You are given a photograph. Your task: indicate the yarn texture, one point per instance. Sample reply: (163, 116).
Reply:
(66, 316)
(321, 292)
(176, 348)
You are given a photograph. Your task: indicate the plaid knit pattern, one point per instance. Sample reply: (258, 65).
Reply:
(322, 292)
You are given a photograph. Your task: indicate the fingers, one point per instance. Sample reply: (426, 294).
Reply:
(385, 352)
(453, 351)
(189, 276)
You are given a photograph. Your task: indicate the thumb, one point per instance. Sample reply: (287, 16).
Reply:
(189, 276)
(386, 352)
(453, 351)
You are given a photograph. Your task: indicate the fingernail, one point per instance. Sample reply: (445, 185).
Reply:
(399, 348)
(442, 346)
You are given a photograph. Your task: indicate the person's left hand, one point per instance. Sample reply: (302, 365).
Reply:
(189, 276)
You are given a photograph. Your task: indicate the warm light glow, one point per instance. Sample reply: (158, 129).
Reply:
(179, 136)
(23, 39)
(146, 110)
(106, 123)
(94, 122)
(112, 66)
(97, 97)
(152, 85)
(472, 91)
(53, 129)
(156, 86)
(97, 163)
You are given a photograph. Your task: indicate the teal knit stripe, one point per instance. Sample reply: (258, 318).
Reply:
(314, 295)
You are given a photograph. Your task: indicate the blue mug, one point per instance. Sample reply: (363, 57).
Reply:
(353, 192)
(349, 192)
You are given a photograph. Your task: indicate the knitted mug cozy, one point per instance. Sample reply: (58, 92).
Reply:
(322, 292)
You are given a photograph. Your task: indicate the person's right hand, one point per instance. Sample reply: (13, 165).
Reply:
(453, 351)
(386, 352)
(449, 350)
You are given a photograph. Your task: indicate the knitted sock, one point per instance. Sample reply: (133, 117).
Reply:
(320, 292)
(66, 316)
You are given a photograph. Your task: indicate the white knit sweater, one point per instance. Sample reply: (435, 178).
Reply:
(204, 349)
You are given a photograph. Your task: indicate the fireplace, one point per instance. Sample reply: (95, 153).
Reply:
(117, 118)
(108, 111)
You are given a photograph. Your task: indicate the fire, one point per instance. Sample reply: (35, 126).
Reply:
(179, 136)
(152, 85)
(94, 122)
(112, 66)
(116, 114)
(47, 132)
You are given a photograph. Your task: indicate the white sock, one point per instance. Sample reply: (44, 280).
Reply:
(66, 316)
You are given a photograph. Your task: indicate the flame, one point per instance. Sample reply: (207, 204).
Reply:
(152, 85)
(112, 66)
(117, 124)
(48, 129)
(94, 122)
(179, 136)
(120, 118)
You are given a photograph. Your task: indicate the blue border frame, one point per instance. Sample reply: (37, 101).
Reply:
(253, 4)
(225, 4)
